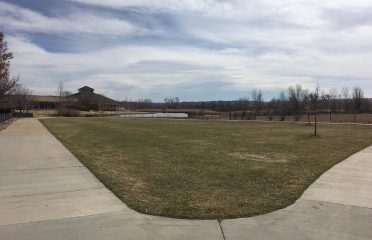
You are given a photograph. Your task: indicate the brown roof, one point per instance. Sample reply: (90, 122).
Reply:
(45, 98)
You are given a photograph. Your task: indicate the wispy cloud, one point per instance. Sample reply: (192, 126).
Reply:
(18, 18)
(150, 70)
(209, 7)
(197, 49)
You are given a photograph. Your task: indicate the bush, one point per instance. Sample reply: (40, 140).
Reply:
(67, 112)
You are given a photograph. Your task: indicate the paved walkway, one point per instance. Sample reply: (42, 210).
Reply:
(46, 193)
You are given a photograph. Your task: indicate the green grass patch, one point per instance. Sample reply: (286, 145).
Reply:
(206, 169)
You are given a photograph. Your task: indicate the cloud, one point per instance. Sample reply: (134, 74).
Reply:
(212, 7)
(152, 71)
(202, 49)
(18, 18)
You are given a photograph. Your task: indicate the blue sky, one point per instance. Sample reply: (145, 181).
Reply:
(193, 49)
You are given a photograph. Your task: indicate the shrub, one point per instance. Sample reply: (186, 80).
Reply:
(68, 112)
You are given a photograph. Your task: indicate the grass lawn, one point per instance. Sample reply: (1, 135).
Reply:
(206, 169)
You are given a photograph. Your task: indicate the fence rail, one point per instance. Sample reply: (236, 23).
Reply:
(22, 115)
(222, 115)
(5, 116)
(303, 116)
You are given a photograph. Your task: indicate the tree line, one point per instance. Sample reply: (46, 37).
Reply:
(296, 100)
(12, 93)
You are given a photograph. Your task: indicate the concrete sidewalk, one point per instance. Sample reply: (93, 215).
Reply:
(46, 193)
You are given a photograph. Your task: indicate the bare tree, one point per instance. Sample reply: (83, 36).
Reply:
(144, 103)
(172, 103)
(345, 99)
(7, 83)
(314, 105)
(60, 90)
(271, 108)
(257, 100)
(333, 93)
(20, 98)
(283, 105)
(326, 103)
(358, 98)
(297, 98)
(243, 103)
(65, 101)
(66, 98)
(325, 100)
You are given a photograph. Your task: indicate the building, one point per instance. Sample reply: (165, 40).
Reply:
(84, 99)
(44, 102)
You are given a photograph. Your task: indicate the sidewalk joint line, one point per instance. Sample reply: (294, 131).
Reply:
(63, 218)
(39, 169)
(51, 193)
(343, 204)
(223, 234)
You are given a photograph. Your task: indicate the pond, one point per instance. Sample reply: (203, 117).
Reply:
(155, 115)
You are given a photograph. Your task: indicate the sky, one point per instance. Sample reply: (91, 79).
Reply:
(192, 49)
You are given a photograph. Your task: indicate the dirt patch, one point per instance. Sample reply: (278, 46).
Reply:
(261, 157)
(198, 142)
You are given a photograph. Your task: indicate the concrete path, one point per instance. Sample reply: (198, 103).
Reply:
(46, 193)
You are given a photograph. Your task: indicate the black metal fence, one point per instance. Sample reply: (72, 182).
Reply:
(223, 115)
(5, 116)
(365, 117)
(22, 115)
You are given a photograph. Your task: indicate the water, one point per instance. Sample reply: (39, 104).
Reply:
(155, 115)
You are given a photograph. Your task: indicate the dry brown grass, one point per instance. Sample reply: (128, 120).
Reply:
(207, 169)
